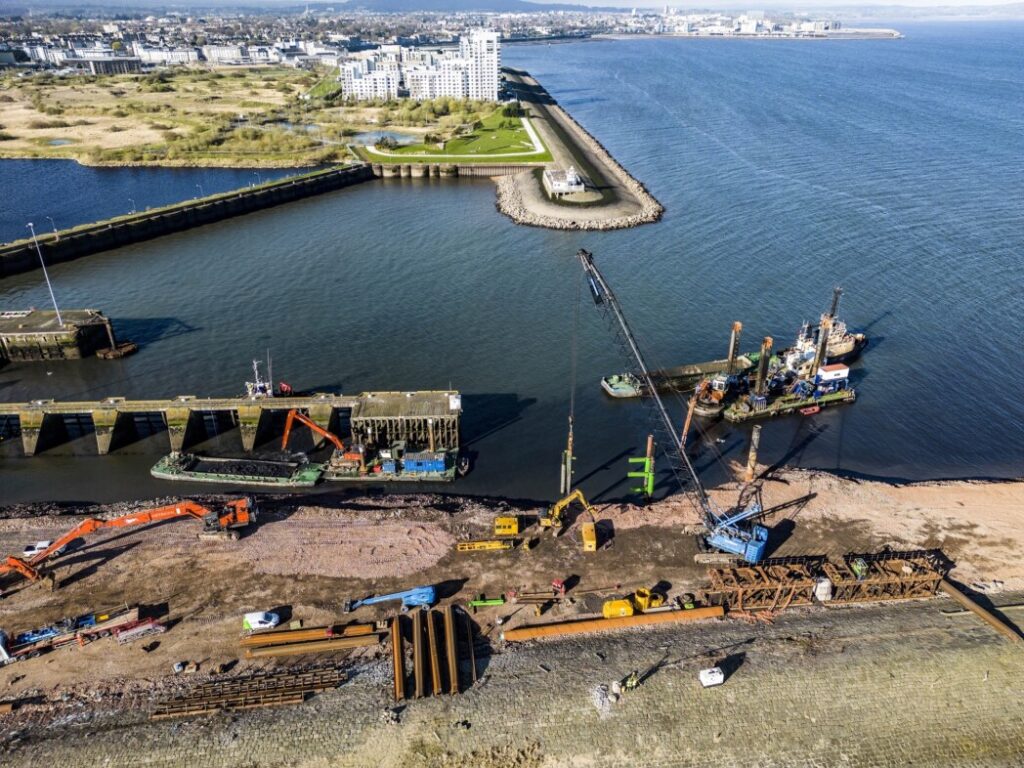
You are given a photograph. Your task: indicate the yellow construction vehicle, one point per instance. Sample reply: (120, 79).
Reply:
(554, 517)
(506, 526)
(485, 545)
(588, 533)
(640, 601)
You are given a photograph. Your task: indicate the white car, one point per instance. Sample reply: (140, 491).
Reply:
(254, 622)
(40, 546)
(711, 677)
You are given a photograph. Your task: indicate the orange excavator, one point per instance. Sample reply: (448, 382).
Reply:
(217, 524)
(342, 461)
(299, 416)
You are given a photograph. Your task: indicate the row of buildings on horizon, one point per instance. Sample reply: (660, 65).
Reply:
(379, 53)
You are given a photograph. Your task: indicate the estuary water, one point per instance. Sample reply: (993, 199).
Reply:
(71, 194)
(893, 168)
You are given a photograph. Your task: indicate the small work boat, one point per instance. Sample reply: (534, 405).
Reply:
(682, 378)
(811, 410)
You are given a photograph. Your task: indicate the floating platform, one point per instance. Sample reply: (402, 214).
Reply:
(682, 378)
(237, 471)
(741, 411)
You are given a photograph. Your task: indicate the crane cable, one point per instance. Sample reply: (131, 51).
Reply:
(567, 458)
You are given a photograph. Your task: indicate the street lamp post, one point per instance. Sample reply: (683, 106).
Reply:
(130, 200)
(200, 188)
(60, 320)
(56, 234)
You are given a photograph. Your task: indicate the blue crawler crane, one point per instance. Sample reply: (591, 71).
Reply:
(417, 597)
(729, 531)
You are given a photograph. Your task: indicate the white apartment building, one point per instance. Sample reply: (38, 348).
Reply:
(481, 48)
(225, 54)
(165, 56)
(361, 79)
(449, 78)
(473, 73)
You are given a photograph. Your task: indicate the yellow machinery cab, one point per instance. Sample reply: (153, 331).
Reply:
(588, 531)
(506, 526)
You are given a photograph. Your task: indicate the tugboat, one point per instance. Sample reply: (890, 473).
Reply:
(843, 347)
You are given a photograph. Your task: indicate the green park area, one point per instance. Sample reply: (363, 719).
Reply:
(242, 117)
(502, 136)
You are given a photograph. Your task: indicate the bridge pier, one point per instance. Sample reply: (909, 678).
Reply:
(177, 420)
(321, 414)
(105, 422)
(249, 424)
(31, 426)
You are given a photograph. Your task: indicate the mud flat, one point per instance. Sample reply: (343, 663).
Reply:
(621, 202)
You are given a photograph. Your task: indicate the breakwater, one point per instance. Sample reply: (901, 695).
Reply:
(625, 201)
(66, 245)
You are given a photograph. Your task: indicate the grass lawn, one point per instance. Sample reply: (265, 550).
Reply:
(494, 141)
(326, 87)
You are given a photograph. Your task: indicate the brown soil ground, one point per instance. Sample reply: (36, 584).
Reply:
(306, 561)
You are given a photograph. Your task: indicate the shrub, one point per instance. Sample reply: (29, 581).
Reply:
(48, 124)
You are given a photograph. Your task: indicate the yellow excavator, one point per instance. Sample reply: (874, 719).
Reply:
(554, 518)
(640, 601)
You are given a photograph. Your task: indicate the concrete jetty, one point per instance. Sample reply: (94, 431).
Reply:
(376, 417)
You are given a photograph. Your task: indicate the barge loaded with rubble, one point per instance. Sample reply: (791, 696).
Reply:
(237, 471)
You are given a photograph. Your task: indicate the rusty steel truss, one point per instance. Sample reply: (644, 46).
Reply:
(895, 576)
(772, 586)
(778, 584)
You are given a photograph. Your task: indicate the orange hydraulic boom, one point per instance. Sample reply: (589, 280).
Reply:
(237, 513)
(294, 415)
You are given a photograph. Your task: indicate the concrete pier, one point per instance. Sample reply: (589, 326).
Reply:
(377, 417)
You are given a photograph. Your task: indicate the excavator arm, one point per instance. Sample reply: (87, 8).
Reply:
(237, 513)
(295, 415)
(555, 515)
(18, 565)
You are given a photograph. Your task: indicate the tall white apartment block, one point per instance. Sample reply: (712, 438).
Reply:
(448, 78)
(481, 48)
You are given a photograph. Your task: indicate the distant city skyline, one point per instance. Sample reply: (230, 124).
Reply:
(725, 5)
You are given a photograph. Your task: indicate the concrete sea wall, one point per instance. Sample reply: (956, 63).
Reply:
(21, 256)
(449, 170)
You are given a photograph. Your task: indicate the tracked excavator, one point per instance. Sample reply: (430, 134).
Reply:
(223, 523)
(554, 517)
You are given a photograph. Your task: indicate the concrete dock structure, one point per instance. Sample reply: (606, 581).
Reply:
(37, 334)
(426, 417)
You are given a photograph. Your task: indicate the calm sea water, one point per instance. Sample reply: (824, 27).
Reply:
(73, 194)
(893, 168)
